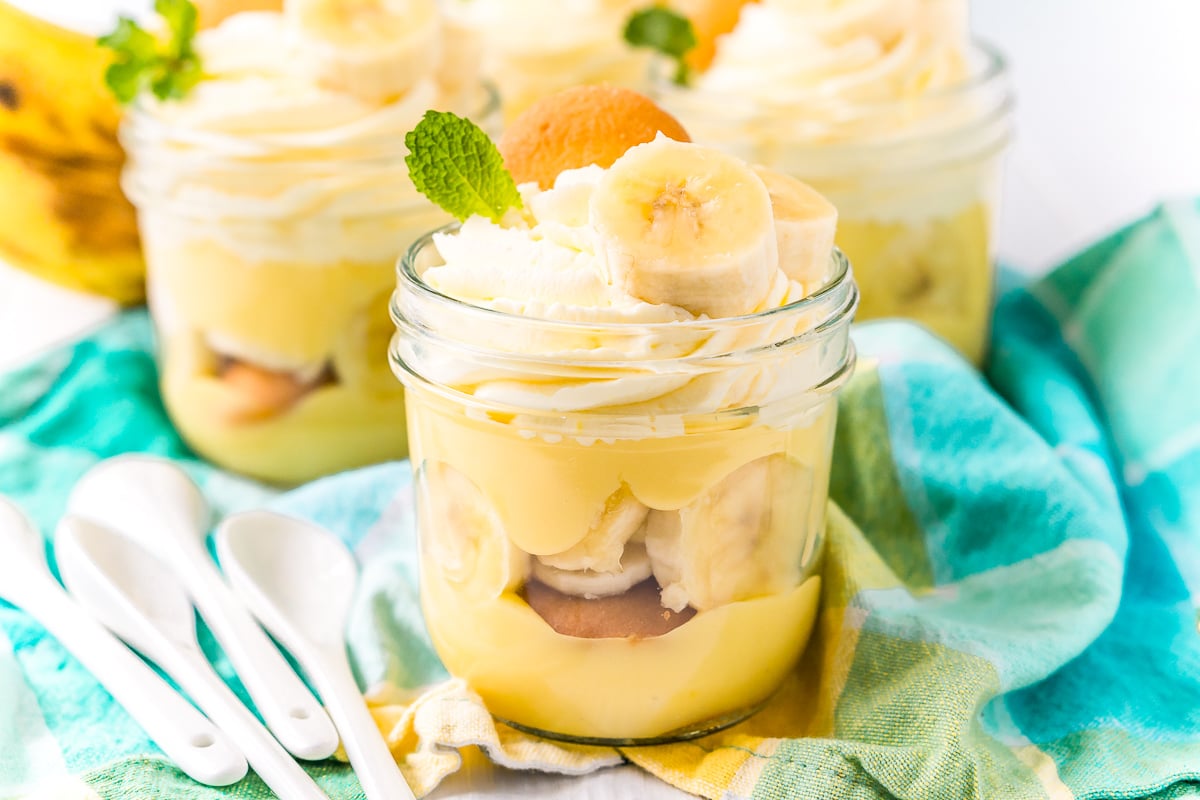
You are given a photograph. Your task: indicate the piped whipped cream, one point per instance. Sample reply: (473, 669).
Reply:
(823, 53)
(548, 269)
(639, 357)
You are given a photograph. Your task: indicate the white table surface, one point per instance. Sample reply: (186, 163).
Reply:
(1108, 123)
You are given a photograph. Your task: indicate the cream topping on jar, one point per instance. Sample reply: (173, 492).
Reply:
(828, 54)
(273, 163)
(549, 264)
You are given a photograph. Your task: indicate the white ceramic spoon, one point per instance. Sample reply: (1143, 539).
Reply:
(299, 580)
(155, 504)
(187, 738)
(136, 597)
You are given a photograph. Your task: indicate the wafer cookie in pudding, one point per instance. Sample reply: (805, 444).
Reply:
(621, 369)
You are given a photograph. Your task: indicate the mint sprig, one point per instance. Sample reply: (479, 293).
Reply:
(169, 69)
(454, 163)
(666, 32)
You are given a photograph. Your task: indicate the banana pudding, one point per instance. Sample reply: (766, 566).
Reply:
(621, 384)
(888, 109)
(272, 201)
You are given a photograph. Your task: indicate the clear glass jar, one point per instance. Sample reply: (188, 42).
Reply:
(915, 182)
(269, 268)
(620, 525)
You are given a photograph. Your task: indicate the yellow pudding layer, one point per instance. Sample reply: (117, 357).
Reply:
(327, 322)
(543, 493)
(938, 272)
(546, 489)
(720, 661)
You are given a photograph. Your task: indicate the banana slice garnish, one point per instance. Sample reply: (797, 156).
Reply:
(374, 49)
(462, 537)
(633, 568)
(805, 224)
(742, 538)
(688, 226)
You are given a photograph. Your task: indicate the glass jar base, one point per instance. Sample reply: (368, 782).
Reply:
(687, 733)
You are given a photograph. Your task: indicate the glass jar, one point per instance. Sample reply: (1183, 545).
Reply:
(269, 268)
(915, 182)
(620, 524)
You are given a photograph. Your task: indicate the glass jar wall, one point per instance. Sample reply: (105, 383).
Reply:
(620, 524)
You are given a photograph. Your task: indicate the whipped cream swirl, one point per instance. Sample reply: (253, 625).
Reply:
(569, 339)
(274, 166)
(788, 52)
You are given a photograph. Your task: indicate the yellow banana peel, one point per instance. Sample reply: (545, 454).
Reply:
(62, 214)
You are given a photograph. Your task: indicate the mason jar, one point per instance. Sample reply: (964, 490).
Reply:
(269, 266)
(620, 524)
(915, 183)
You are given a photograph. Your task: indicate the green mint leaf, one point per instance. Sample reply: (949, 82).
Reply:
(124, 78)
(665, 32)
(180, 16)
(142, 63)
(454, 163)
(130, 40)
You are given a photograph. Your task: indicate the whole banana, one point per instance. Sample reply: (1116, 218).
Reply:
(62, 213)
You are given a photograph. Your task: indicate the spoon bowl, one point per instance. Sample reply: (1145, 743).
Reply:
(301, 572)
(126, 588)
(148, 499)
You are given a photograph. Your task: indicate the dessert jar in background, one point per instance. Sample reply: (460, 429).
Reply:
(272, 209)
(534, 48)
(908, 147)
(620, 523)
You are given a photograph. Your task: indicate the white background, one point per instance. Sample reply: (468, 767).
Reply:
(1108, 124)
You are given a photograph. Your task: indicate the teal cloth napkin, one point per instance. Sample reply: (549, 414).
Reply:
(1010, 602)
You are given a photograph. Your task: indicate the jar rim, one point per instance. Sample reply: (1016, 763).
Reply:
(408, 276)
(559, 422)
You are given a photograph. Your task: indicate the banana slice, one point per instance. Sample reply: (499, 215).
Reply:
(805, 223)
(742, 538)
(601, 549)
(462, 537)
(375, 50)
(634, 567)
(686, 225)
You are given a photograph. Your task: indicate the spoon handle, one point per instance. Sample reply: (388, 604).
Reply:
(278, 770)
(369, 755)
(187, 738)
(287, 706)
